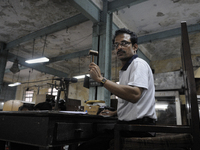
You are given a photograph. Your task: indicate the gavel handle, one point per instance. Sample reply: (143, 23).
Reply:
(92, 58)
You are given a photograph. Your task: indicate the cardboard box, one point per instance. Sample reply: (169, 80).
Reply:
(92, 110)
(40, 98)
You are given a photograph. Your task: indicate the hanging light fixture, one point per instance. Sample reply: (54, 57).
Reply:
(38, 60)
(81, 76)
(16, 83)
(15, 67)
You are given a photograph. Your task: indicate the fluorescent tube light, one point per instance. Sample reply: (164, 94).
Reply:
(37, 60)
(14, 84)
(81, 76)
(161, 106)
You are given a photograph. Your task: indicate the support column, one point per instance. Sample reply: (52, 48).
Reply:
(108, 55)
(102, 42)
(105, 52)
(3, 60)
(95, 46)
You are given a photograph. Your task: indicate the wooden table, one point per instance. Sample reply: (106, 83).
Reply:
(50, 129)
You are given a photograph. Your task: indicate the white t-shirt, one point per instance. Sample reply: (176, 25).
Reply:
(137, 74)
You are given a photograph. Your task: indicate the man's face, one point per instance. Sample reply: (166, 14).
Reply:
(125, 49)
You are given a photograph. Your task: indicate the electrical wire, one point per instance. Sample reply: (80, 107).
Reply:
(44, 45)
(33, 47)
(18, 76)
(36, 81)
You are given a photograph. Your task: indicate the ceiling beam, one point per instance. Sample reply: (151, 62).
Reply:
(75, 20)
(141, 40)
(167, 34)
(38, 67)
(69, 56)
(119, 4)
(12, 57)
(87, 8)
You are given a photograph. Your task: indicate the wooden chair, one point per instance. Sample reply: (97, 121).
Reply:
(176, 137)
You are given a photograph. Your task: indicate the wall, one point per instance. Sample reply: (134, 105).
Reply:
(76, 91)
(172, 64)
(7, 93)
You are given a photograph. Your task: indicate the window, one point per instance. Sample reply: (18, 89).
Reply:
(28, 97)
(54, 92)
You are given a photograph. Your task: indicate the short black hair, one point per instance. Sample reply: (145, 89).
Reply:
(133, 39)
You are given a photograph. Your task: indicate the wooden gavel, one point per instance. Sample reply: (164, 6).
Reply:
(93, 53)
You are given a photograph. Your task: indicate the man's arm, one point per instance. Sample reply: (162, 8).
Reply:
(107, 112)
(126, 92)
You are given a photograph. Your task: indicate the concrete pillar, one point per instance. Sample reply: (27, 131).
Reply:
(105, 49)
(95, 46)
(3, 60)
(102, 42)
(105, 57)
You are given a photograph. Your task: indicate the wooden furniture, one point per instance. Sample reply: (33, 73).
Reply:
(50, 130)
(182, 136)
(12, 105)
(73, 104)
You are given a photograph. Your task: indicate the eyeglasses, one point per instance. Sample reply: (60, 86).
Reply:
(123, 44)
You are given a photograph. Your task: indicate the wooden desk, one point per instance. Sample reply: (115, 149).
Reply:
(48, 129)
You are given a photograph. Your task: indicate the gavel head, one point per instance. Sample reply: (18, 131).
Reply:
(93, 53)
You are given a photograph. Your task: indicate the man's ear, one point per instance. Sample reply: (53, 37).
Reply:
(135, 46)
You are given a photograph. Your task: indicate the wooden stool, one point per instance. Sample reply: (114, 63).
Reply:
(160, 142)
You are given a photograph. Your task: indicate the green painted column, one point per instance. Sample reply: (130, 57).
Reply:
(95, 47)
(102, 42)
(3, 60)
(105, 50)
(105, 57)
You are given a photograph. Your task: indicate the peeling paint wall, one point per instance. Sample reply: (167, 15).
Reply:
(173, 64)
(77, 91)
(167, 65)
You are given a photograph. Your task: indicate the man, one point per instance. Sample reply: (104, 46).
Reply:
(136, 84)
(136, 102)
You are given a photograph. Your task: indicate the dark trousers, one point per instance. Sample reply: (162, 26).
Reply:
(143, 121)
(102, 141)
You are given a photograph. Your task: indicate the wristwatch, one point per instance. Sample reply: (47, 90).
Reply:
(103, 81)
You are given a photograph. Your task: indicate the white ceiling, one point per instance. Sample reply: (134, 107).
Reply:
(20, 18)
